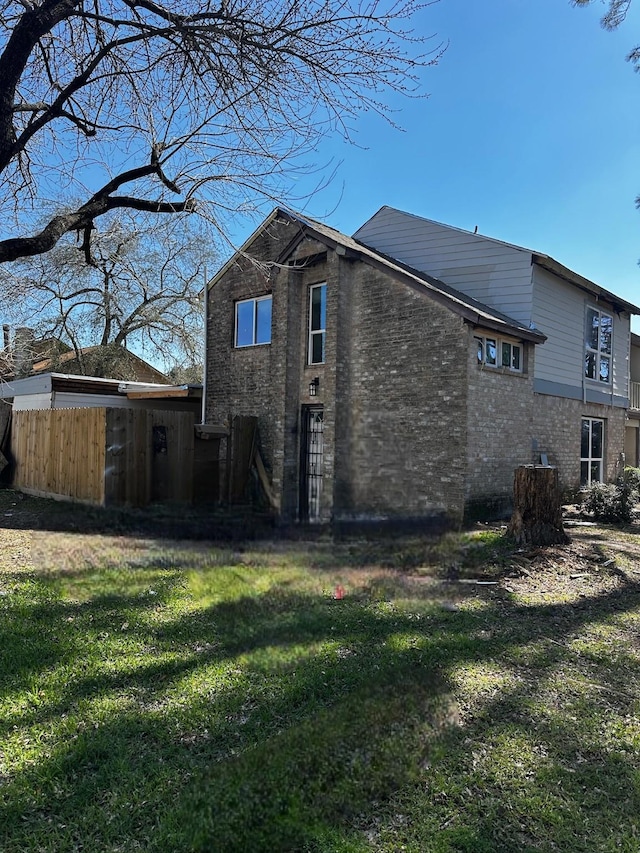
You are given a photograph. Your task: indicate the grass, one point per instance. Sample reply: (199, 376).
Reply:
(193, 696)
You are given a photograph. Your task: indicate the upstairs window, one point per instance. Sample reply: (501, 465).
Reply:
(598, 345)
(253, 322)
(317, 323)
(498, 353)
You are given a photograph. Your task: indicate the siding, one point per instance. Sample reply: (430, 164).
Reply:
(77, 400)
(492, 272)
(32, 401)
(559, 312)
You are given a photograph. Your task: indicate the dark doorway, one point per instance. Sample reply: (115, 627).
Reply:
(311, 462)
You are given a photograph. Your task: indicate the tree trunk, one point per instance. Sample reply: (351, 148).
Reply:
(537, 510)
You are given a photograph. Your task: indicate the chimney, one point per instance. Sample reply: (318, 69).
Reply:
(23, 342)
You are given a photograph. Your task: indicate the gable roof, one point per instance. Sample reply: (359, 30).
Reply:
(471, 310)
(144, 372)
(539, 258)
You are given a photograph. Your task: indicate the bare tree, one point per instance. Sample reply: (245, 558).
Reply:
(142, 289)
(160, 106)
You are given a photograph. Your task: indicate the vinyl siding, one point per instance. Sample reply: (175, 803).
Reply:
(492, 272)
(559, 312)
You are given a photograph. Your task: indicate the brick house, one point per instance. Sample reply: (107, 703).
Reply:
(384, 393)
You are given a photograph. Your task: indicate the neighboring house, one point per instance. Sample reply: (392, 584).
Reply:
(24, 355)
(112, 362)
(405, 373)
(632, 431)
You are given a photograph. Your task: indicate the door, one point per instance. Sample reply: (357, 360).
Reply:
(311, 462)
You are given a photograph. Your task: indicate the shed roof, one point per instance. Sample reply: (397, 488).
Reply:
(43, 383)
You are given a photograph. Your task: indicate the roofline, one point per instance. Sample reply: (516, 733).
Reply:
(583, 283)
(245, 246)
(470, 310)
(449, 227)
(438, 290)
(539, 258)
(45, 382)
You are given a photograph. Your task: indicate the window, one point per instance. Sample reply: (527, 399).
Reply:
(317, 323)
(598, 339)
(253, 322)
(591, 451)
(497, 353)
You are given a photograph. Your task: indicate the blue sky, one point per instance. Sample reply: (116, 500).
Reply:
(531, 132)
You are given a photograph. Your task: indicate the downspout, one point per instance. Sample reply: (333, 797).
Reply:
(204, 369)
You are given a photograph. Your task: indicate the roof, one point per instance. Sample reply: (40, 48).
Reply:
(44, 383)
(539, 258)
(471, 310)
(144, 371)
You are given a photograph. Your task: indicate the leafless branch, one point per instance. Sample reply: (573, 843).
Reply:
(228, 96)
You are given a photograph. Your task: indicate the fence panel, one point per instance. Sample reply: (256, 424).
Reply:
(60, 452)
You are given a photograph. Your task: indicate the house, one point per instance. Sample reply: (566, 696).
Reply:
(25, 355)
(405, 372)
(112, 361)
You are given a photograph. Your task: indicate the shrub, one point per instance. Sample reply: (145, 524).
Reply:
(612, 502)
(631, 477)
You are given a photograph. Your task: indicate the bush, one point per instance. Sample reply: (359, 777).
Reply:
(631, 476)
(614, 502)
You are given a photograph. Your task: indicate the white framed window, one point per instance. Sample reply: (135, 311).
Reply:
(598, 345)
(495, 352)
(317, 323)
(253, 322)
(591, 451)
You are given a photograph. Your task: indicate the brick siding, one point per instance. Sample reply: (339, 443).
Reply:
(498, 422)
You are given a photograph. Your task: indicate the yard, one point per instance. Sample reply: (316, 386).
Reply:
(190, 695)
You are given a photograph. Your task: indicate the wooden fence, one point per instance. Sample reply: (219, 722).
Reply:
(60, 452)
(105, 456)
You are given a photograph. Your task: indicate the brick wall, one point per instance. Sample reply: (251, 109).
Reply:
(401, 370)
(556, 431)
(499, 419)
(241, 381)
(393, 384)
(510, 425)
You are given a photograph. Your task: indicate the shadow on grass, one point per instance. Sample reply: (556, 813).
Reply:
(285, 721)
(164, 521)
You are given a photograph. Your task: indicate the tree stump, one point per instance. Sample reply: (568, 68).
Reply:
(537, 512)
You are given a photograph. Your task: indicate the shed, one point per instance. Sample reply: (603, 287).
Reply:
(107, 442)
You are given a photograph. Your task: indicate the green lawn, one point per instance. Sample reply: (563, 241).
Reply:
(165, 696)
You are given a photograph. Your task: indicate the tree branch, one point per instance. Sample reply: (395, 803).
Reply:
(83, 218)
